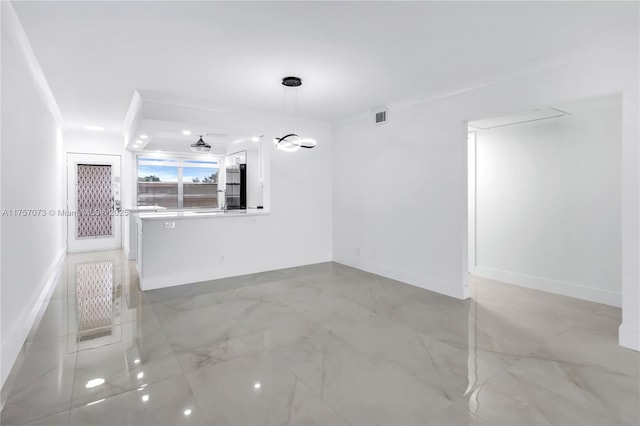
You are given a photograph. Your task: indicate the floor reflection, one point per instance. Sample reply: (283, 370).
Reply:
(320, 344)
(96, 280)
(95, 300)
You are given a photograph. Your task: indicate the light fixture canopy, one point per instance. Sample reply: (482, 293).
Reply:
(292, 142)
(292, 81)
(200, 146)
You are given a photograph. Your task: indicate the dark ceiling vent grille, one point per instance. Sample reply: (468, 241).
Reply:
(380, 116)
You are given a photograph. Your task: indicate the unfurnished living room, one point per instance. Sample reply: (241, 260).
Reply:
(320, 212)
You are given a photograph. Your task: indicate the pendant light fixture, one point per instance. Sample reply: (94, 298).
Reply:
(200, 146)
(291, 141)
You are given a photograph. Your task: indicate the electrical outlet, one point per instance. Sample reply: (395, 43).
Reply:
(358, 252)
(169, 225)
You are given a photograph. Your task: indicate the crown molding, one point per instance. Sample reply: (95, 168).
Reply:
(618, 40)
(13, 31)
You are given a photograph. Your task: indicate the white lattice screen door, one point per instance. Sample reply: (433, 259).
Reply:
(93, 202)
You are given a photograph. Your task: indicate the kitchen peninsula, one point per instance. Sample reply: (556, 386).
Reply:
(182, 247)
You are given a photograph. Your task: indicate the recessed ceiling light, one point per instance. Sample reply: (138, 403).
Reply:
(186, 132)
(255, 139)
(140, 375)
(95, 128)
(145, 398)
(143, 136)
(94, 382)
(138, 141)
(187, 412)
(136, 361)
(257, 385)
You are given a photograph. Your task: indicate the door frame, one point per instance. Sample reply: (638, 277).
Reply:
(100, 243)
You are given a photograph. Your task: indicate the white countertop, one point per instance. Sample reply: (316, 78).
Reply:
(137, 209)
(200, 214)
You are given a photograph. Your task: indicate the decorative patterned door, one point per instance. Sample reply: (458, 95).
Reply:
(94, 199)
(93, 202)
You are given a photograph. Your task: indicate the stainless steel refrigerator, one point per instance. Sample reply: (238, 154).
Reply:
(236, 191)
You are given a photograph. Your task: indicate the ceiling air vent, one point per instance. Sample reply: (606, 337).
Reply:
(380, 116)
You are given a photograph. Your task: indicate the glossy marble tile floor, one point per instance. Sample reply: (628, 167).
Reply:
(322, 344)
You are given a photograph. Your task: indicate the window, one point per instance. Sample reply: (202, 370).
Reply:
(158, 182)
(177, 183)
(200, 180)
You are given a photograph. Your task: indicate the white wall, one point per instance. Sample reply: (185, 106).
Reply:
(397, 205)
(32, 246)
(400, 189)
(548, 202)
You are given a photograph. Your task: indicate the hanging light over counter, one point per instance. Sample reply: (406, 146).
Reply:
(200, 146)
(292, 142)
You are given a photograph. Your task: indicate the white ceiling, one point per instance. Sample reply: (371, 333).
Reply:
(352, 56)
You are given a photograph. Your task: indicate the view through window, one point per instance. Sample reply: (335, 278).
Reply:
(177, 183)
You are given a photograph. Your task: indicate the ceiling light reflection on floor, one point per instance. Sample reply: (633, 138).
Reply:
(94, 382)
(95, 402)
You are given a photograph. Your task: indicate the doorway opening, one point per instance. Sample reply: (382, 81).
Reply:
(545, 199)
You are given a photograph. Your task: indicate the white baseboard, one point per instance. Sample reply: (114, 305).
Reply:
(423, 281)
(551, 286)
(629, 337)
(130, 254)
(13, 341)
(182, 276)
